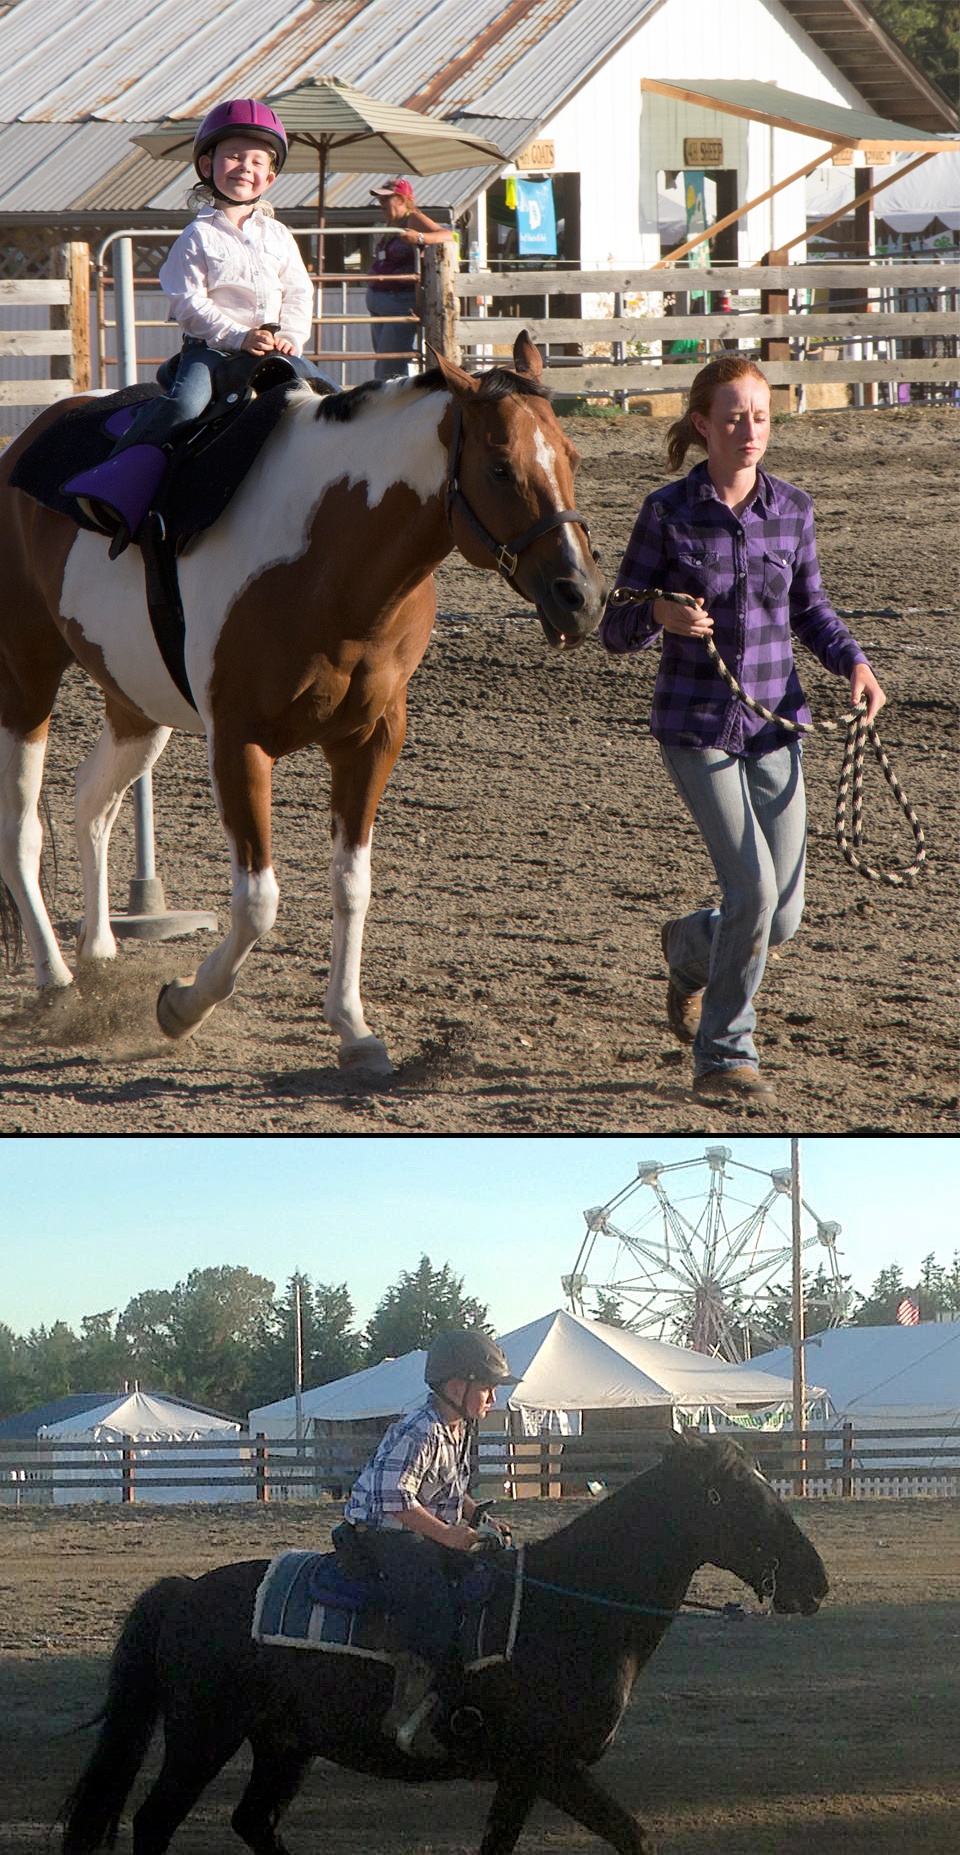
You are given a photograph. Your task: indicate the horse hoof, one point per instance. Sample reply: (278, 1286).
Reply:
(366, 1060)
(171, 1024)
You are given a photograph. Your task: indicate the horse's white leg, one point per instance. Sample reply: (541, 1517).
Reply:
(241, 784)
(21, 841)
(102, 780)
(184, 1003)
(350, 884)
(359, 773)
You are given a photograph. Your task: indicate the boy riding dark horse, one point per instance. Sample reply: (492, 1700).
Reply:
(413, 1517)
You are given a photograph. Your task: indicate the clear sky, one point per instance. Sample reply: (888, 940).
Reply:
(87, 1224)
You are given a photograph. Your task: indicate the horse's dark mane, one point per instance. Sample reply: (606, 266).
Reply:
(495, 385)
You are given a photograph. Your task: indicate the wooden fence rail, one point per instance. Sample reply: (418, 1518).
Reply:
(66, 343)
(846, 1461)
(877, 316)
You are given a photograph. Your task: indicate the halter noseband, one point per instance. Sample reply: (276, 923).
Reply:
(506, 554)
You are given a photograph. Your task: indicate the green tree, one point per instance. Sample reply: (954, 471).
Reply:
(14, 1380)
(331, 1347)
(147, 1327)
(418, 1306)
(51, 1358)
(103, 1355)
(821, 1300)
(879, 1307)
(218, 1322)
(609, 1309)
(928, 30)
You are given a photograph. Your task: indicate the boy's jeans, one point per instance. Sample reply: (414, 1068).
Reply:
(751, 813)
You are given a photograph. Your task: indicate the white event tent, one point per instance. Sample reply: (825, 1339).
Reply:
(564, 1365)
(881, 1378)
(131, 1419)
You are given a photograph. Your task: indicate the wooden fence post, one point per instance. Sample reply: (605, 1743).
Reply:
(846, 1483)
(439, 302)
(262, 1468)
(776, 303)
(74, 265)
(128, 1493)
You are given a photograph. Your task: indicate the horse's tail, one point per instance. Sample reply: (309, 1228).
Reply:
(11, 926)
(91, 1813)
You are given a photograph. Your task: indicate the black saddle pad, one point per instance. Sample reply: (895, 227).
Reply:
(207, 468)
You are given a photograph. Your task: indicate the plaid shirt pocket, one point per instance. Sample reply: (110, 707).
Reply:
(777, 574)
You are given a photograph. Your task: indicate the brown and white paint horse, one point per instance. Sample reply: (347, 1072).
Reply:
(308, 606)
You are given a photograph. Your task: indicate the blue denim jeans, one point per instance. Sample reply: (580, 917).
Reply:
(750, 811)
(392, 337)
(187, 381)
(417, 1574)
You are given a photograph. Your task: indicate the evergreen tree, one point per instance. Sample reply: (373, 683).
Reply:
(418, 1306)
(928, 30)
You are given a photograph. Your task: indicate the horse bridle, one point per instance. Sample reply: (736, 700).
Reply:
(506, 554)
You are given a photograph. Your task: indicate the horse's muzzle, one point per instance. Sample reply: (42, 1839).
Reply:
(569, 608)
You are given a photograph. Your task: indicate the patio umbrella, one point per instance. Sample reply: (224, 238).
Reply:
(332, 126)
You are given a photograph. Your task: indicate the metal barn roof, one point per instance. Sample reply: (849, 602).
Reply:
(77, 77)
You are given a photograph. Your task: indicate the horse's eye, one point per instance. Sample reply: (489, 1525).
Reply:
(502, 472)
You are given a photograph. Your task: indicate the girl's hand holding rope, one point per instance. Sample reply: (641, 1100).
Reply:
(687, 617)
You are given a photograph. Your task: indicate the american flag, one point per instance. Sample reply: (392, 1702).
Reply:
(908, 1312)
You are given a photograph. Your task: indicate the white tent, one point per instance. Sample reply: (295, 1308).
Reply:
(127, 1422)
(562, 1362)
(930, 194)
(882, 1377)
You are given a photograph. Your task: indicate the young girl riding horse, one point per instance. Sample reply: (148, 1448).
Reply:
(235, 281)
(741, 545)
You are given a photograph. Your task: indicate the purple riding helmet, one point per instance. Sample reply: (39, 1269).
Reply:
(231, 119)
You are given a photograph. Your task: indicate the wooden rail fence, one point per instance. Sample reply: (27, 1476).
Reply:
(847, 1462)
(881, 321)
(65, 343)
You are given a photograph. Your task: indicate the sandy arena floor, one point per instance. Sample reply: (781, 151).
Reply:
(528, 849)
(831, 1735)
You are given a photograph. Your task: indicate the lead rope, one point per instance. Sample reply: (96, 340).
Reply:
(859, 731)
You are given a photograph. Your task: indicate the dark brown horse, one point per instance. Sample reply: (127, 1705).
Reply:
(596, 1599)
(308, 606)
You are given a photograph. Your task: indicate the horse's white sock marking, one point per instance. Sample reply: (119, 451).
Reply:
(350, 882)
(101, 782)
(21, 840)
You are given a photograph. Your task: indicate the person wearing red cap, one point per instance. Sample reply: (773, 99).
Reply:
(392, 289)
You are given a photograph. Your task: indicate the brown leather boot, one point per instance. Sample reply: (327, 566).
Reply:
(683, 1008)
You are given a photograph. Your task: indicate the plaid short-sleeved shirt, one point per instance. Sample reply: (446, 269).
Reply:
(759, 578)
(420, 1459)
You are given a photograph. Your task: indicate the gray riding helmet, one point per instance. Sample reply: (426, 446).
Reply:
(466, 1353)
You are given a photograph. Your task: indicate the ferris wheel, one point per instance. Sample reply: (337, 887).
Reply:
(698, 1254)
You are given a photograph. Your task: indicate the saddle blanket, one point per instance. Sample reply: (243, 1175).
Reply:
(203, 476)
(306, 1602)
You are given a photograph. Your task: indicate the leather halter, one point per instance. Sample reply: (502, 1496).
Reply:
(505, 553)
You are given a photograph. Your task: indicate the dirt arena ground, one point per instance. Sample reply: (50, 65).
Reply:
(528, 849)
(832, 1735)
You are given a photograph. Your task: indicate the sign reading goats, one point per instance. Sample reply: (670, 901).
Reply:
(536, 219)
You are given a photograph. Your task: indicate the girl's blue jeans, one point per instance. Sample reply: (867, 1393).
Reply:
(750, 811)
(187, 381)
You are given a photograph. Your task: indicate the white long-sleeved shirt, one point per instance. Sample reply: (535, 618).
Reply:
(222, 280)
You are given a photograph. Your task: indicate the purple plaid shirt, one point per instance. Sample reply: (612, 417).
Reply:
(759, 578)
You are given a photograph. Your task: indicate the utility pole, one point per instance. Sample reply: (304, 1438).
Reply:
(799, 1385)
(298, 1358)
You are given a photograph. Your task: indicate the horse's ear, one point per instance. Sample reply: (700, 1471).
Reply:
(526, 358)
(459, 382)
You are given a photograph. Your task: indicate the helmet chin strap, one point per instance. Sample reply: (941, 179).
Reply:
(231, 202)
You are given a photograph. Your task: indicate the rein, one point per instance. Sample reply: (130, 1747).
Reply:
(506, 554)
(859, 731)
(641, 1610)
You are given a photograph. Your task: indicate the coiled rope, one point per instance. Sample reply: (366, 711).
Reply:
(858, 732)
